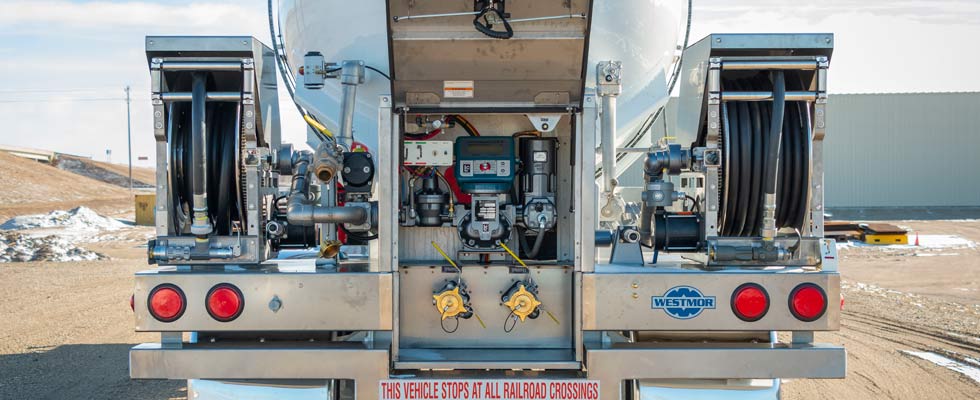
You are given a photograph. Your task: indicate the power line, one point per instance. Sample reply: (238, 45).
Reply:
(64, 100)
(68, 90)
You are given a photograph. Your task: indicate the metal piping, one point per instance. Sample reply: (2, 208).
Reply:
(351, 75)
(201, 226)
(759, 65)
(766, 96)
(300, 212)
(201, 66)
(609, 143)
(211, 96)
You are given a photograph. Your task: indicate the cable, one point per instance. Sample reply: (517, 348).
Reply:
(378, 71)
(463, 122)
(442, 324)
(317, 125)
(287, 78)
(510, 316)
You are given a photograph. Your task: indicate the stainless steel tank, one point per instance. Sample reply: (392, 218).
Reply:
(642, 34)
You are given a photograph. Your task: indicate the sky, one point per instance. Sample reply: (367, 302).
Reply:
(64, 64)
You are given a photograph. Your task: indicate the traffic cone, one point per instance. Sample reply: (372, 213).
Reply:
(917, 239)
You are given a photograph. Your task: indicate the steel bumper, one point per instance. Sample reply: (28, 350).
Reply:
(738, 361)
(366, 366)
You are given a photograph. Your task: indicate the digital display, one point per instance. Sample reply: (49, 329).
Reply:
(485, 149)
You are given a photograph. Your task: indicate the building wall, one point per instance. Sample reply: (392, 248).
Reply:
(894, 150)
(903, 150)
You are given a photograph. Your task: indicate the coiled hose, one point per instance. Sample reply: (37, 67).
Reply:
(751, 164)
(222, 149)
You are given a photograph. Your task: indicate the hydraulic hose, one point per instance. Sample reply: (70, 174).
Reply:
(778, 107)
(778, 110)
(202, 223)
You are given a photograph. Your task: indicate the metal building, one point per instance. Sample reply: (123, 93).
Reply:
(893, 150)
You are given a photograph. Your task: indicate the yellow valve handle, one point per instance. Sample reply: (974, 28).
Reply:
(444, 255)
(512, 254)
(480, 320)
(552, 317)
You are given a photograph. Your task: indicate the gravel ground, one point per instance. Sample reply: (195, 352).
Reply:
(66, 328)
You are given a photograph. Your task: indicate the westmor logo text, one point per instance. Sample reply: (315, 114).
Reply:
(683, 302)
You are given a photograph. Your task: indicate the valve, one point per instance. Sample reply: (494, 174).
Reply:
(452, 301)
(522, 300)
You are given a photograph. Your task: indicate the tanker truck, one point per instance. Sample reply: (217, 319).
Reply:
(454, 226)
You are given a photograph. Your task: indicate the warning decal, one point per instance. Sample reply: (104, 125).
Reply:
(457, 89)
(491, 389)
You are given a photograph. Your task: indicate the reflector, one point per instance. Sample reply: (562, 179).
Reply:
(225, 302)
(750, 302)
(166, 303)
(808, 302)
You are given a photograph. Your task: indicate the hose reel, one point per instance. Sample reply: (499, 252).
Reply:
(223, 146)
(746, 143)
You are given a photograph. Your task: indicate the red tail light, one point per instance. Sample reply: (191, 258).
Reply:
(808, 302)
(225, 302)
(166, 303)
(750, 302)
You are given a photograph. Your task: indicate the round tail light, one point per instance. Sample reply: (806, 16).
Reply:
(225, 302)
(750, 302)
(166, 303)
(808, 302)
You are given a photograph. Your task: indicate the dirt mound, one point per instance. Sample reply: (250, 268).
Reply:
(109, 173)
(29, 187)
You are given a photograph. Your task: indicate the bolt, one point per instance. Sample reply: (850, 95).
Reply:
(609, 78)
(366, 169)
(635, 296)
(636, 284)
(346, 170)
(544, 127)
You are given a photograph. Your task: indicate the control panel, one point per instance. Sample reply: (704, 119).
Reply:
(485, 165)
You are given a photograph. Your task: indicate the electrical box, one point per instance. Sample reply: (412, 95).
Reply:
(428, 153)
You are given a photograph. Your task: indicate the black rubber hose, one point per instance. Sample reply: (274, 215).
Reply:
(805, 144)
(794, 189)
(198, 140)
(758, 158)
(766, 109)
(745, 171)
(778, 111)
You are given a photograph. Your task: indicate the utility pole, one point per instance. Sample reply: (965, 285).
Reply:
(129, 141)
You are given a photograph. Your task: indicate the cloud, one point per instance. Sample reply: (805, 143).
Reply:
(143, 16)
(964, 12)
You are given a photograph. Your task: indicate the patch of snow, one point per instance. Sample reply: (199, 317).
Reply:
(15, 247)
(970, 371)
(79, 219)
